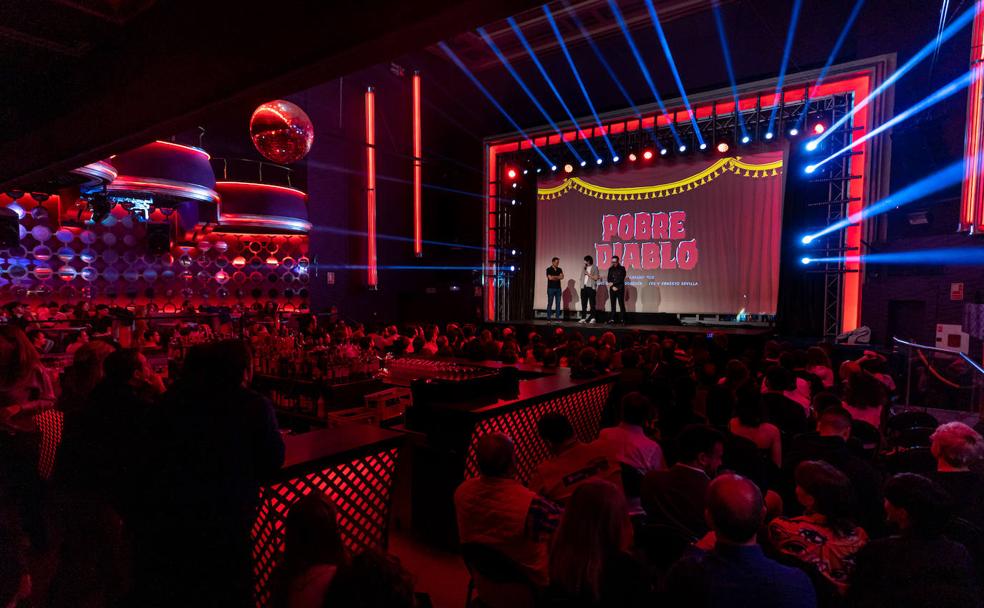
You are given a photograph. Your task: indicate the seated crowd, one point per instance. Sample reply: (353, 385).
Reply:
(754, 481)
(718, 479)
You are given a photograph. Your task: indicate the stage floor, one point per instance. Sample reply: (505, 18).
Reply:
(592, 328)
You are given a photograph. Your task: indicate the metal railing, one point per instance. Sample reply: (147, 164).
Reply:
(941, 378)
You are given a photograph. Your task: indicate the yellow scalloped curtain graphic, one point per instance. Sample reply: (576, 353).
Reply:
(732, 164)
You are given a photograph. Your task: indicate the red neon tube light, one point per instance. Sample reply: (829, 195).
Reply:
(373, 273)
(972, 196)
(418, 170)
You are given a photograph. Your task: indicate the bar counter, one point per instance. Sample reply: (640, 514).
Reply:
(354, 466)
(451, 430)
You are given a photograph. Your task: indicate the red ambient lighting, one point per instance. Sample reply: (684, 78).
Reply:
(648, 154)
(819, 128)
(972, 195)
(418, 165)
(186, 148)
(373, 272)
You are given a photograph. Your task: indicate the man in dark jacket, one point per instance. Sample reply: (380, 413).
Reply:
(616, 289)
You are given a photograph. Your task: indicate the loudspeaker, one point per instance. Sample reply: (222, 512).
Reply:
(9, 229)
(159, 237)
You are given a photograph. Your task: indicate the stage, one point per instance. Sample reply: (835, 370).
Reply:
(590, 329)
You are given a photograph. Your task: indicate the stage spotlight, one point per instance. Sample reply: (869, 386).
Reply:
(514, 202)
(794, 132)
(553, 167)
(810, 168)
(568, 168)
(723, 147)
(703, 146)
(525, 171)
(683, 148)
(598, 161)
(539, 169)
(812, 145)
(806, 240)
(615, 159)
(769, 135)
(512, 269)
(511, 173)
(819, 128)
(806, 261)
(632, 157)
(584, 163)
(745, 139)
(515, 185)
(648, 154)
(663, 151)
(512, 252)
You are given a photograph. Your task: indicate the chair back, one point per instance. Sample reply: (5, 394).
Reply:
(497, 581)
(869, 437)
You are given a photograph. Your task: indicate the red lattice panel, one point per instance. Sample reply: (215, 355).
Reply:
(583, 408)
(50, 423)
(360, 491)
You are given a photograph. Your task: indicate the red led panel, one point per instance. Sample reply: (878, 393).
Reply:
(372, 277)
(418, 170)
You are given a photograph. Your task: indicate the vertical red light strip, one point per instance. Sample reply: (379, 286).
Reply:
(373, 273)
(851, 296)
(972, 197)
(418, 160)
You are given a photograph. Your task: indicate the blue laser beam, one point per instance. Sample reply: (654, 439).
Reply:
(958, 24)
(454, 58)
(786, 51)
(931, 184)
(949, 256)
(673, 68)
(577, 76)
(946, 91)
(830, 61)
(723, 38)
(642, 68)
(549, 81)
(519, 80)
(572, 13)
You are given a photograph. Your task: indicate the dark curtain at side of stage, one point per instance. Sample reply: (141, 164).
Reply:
(800, 308)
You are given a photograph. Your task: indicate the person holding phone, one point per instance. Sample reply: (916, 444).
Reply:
(616, 290)
(589, 283)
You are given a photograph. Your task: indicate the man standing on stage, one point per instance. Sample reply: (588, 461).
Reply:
(589, 281)
(554, 276)
(616, 289)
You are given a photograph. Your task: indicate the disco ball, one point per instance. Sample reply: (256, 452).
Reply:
(281, 131)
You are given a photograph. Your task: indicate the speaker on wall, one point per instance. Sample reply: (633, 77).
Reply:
(159, 237)
(9, 229)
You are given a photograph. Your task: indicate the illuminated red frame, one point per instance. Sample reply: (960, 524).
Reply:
(972, 196)
(858, 83)
(372, 277)
(418, 157)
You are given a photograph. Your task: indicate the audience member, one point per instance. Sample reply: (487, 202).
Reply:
(865, 399)
(956, 447)
(571, 462)
(372, 579)
(211, 443)
(676, 496)
(750, 423)
(830, 444)
(788, 415)
(313, 552)
(590, 563)
(736, 572)
(825, 538)
(632, 446)
(497, 511)
(919, 567)
(818, 364)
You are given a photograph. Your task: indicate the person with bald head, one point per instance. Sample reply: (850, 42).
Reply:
(497, 511)
(736, 573)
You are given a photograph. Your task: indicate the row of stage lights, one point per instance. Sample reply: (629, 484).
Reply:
(646, 154)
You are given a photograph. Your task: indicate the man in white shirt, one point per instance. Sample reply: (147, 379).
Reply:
(628, 439)
(589, 283)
